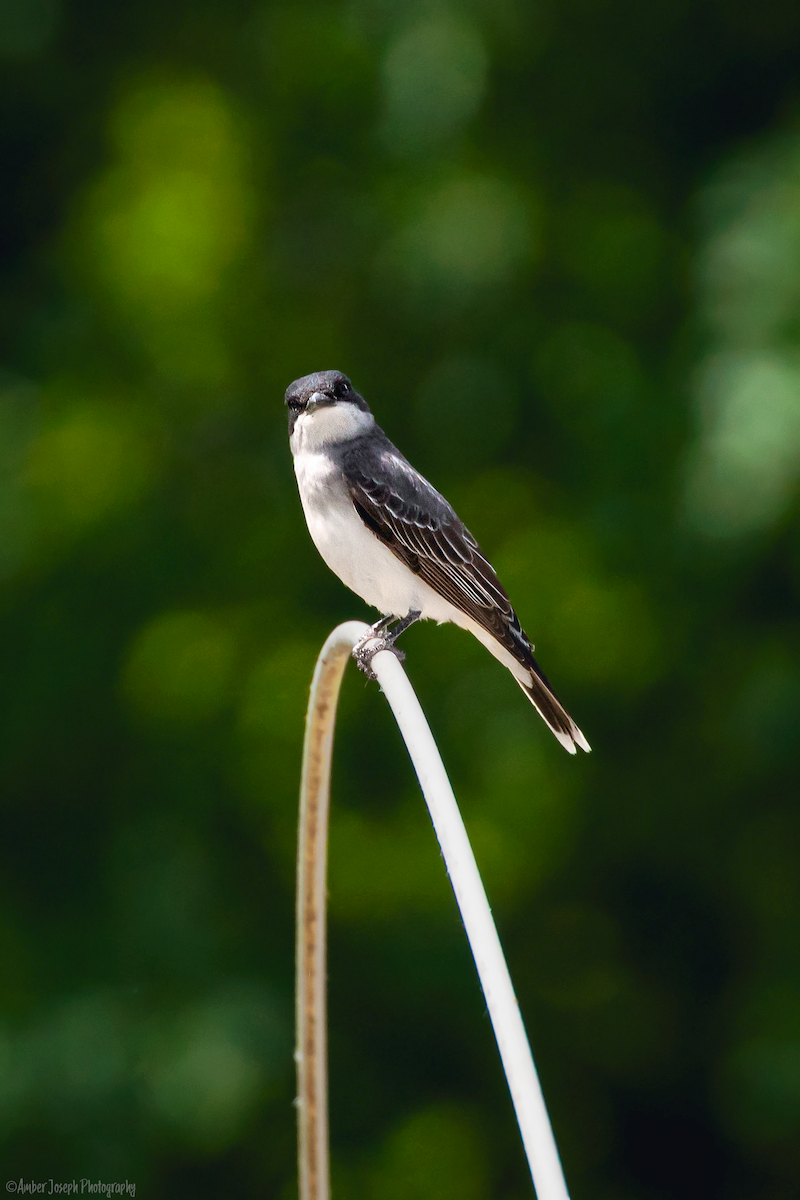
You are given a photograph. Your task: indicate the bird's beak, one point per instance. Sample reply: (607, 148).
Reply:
(315, 401)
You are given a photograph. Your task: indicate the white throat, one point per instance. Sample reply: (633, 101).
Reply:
(328, 425)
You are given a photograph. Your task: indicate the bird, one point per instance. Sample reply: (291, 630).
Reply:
(397, 543)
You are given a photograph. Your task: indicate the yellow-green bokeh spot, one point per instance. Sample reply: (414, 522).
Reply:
(275, 695)
(169, 216)
(436, 1154)
(464, 234)
(88, 462)
(590, 625)
(524, 816)
(174, 209)
(743, 471)
(204, 1070)
(434, 76)
(382, 868)
(181, 667)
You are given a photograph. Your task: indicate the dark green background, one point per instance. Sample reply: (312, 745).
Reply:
(557, 246)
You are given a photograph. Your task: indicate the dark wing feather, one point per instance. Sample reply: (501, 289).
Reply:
(420, 527)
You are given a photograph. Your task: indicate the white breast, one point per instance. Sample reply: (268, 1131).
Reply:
(353, 552)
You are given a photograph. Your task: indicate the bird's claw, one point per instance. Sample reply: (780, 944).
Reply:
(365, 650)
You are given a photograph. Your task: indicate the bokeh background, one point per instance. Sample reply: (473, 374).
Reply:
(557, 246)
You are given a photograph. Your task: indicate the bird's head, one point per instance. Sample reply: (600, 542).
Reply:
(324, 408)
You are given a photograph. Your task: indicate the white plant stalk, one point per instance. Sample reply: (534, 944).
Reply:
(523, 1082)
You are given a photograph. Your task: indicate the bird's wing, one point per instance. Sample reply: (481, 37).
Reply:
(420, 527)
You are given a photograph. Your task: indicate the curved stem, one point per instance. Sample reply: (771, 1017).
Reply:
(523, 1082)
(311, 1052)
(512, 1041)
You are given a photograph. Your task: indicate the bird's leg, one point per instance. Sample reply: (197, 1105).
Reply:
(378, 639)
(403, 625)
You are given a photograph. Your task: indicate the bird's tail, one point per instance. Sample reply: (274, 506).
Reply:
(516, 653)
(553, 713)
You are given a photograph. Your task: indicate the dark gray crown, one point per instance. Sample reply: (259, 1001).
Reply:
(334, 385)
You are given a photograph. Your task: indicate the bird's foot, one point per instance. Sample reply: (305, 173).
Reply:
(378, 639)
(371, 644)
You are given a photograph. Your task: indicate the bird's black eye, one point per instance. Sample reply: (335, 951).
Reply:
(340, 388)
(295, 404)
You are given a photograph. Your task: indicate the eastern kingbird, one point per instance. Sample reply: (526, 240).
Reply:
(396, 542)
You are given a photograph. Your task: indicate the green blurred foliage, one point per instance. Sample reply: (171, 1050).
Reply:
(558, 248)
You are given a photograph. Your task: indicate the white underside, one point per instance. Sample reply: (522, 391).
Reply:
(366, 565)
